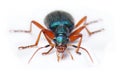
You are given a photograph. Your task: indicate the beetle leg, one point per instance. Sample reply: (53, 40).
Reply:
(30, 29)
(90, 33)
(36, 43)
(45, 53)
(47, 32)
(29, 46)
(73, 38)
(83, 20)
(79, 44)
(76, 34)
(51, 44)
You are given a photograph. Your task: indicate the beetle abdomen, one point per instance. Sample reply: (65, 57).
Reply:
(58, 18)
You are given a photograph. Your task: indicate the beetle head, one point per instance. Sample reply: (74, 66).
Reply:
(61, 43)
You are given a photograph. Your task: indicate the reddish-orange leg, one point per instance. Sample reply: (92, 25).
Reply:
(76, 34)
(45, 31)
(44, 53)
(83, 20)
(48, 35)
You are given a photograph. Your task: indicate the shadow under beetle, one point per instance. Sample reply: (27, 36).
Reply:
(60, 32)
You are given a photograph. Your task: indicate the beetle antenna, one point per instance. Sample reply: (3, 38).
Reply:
(36, 52)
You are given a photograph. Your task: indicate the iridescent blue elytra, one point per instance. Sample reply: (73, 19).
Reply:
(61, 24)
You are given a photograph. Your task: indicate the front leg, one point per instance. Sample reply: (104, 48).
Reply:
(50, 43)
(75, 37)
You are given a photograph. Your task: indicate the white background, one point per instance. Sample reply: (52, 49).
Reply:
(17, 15)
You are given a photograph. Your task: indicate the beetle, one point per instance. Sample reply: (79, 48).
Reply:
(60, 31)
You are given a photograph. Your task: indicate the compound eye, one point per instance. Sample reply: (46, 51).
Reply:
(67, 39)
(54, 40)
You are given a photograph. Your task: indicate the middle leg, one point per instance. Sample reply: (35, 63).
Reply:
(83, 20)
(44, 53)
(50, 43)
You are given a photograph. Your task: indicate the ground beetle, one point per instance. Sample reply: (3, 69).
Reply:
(60, 32)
